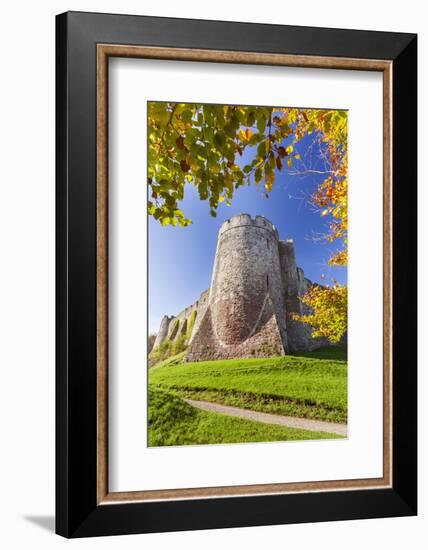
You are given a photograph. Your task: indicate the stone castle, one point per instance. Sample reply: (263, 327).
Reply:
(255, 286)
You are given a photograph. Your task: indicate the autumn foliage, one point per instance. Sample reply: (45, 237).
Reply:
(329, 311)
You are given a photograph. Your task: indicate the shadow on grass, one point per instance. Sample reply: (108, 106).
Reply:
(333, 353)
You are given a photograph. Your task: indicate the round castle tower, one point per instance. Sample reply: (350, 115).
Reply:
(246, 287)
(163, 330)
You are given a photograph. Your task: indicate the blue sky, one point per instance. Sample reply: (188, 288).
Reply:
(181, 258)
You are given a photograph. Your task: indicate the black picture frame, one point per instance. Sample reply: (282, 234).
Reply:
(77, 512)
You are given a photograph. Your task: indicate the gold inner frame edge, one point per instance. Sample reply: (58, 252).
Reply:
(104, 52)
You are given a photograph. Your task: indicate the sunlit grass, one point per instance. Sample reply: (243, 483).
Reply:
(310, 385)
(173, 422)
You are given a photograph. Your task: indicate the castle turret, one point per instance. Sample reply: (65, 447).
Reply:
(163, 330)
(295, 285)
(246, 275)
(289, 267)
(246, 313)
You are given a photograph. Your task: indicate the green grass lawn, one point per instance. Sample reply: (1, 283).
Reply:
(309, 385)
(174, 422)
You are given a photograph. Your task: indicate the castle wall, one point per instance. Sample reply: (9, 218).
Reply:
(295, 285)
(288, 264)
(202, 305)
(247, 270)
(265, 342)
(173, 326)
(178, 325)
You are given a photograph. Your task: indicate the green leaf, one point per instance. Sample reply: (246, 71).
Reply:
(229, 130)
(261, 123)
(187, 115)
(234, 122)
(261, 149)
(256, 138)
(219, 139)
(251, 117)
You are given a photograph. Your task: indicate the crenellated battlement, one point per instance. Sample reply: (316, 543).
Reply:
(246, 220)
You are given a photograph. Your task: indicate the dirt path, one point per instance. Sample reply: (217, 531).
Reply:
(290, 421)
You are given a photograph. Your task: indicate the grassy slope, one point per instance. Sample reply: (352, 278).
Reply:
(311, 385)
(173, 360)
(174, 422)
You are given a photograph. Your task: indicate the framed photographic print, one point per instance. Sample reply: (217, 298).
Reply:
(236, 274)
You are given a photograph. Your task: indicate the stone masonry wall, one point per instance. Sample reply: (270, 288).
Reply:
(202, 305)
(178, 324)
(265, 342)
(295, 284)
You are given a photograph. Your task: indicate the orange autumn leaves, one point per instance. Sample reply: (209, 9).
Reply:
(328, 305)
